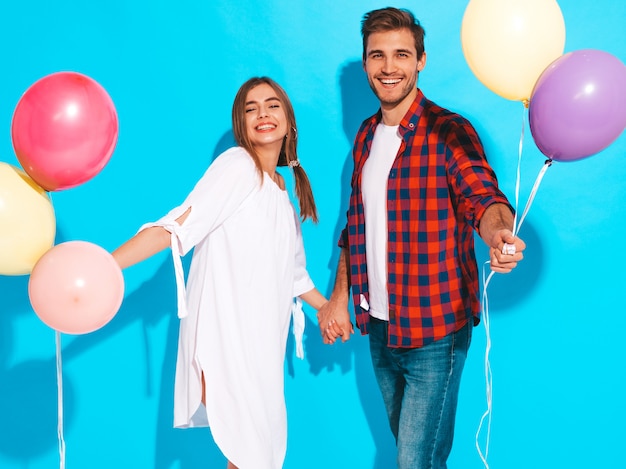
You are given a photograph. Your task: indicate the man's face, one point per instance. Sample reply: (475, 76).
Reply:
(391, 65)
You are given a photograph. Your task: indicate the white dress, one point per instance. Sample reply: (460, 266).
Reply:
(248, 266)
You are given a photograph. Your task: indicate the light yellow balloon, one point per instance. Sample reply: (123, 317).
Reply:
(27, 222)
(509, 43)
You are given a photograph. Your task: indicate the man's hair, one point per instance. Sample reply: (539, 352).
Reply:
(391, 19)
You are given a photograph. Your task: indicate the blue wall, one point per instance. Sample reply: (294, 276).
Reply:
(172, 70)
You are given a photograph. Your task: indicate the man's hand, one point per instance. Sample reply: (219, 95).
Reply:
(334, 321)
(505, 251)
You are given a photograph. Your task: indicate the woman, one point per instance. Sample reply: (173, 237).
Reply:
(248, 266)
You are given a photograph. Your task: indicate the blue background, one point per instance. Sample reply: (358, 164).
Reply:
(172, 70)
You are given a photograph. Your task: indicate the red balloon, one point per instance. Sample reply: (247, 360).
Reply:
(76, 287)
(64, 130)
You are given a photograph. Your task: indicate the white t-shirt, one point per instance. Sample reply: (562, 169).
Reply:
(374, 186)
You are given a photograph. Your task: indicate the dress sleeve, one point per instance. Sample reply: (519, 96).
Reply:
(223, 188)
(302, 282)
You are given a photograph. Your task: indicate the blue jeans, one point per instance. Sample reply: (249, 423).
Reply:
(420, 388)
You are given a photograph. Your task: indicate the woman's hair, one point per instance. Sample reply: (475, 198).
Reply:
(391, 19)
(288, 153)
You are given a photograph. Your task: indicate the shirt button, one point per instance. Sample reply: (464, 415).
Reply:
(411, 125)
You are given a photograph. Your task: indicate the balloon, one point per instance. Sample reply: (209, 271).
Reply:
(76, 287)
(27, 221)
(578, 106)
(508, 43)
(64, 130)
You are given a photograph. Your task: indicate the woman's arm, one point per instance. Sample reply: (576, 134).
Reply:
(145, 244)
(314, 298)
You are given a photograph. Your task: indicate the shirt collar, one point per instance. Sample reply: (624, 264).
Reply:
(412, 116)
(410, 119)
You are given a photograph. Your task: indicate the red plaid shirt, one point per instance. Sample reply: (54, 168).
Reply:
(439, 186)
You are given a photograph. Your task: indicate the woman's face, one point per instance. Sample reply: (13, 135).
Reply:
(266, 122)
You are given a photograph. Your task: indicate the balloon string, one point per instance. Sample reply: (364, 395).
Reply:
(487, 415)
(517, 226)
(488, 376)
(519, 169)
(60, 400)
(533, 192)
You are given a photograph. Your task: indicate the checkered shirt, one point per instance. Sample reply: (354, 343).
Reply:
(439, 186)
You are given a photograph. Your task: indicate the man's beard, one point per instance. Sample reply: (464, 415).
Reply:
(395, 101)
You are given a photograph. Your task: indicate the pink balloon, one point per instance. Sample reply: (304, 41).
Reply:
(578, 105)
(64, 130)
(76, 287)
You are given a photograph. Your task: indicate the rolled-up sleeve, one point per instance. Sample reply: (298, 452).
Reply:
(474, 181)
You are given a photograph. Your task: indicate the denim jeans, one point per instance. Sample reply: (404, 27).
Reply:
(420, 388)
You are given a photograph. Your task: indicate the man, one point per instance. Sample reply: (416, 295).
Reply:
(421, 185)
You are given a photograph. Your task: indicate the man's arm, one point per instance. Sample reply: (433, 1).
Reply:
(495, 229)
(333, 317)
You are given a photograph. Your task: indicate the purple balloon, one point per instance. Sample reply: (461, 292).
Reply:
(578, 105)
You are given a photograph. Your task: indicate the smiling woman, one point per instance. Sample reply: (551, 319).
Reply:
(264, 123)
(248, 265)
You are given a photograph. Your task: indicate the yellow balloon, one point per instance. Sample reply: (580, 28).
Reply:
(27, 221)
(509, 43)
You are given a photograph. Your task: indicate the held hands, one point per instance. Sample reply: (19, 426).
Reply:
(505, 251)
(334, 322)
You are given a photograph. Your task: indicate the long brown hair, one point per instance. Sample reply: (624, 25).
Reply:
(288, 153)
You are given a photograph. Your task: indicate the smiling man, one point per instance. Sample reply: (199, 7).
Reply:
(392, 64)
(421, 186)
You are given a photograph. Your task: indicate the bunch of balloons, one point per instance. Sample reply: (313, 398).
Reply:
(64, 131)
(576, 101)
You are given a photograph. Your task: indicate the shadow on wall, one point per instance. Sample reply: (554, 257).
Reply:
(149, 303)
(28, 390)
(358, 103)
(509, 290)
